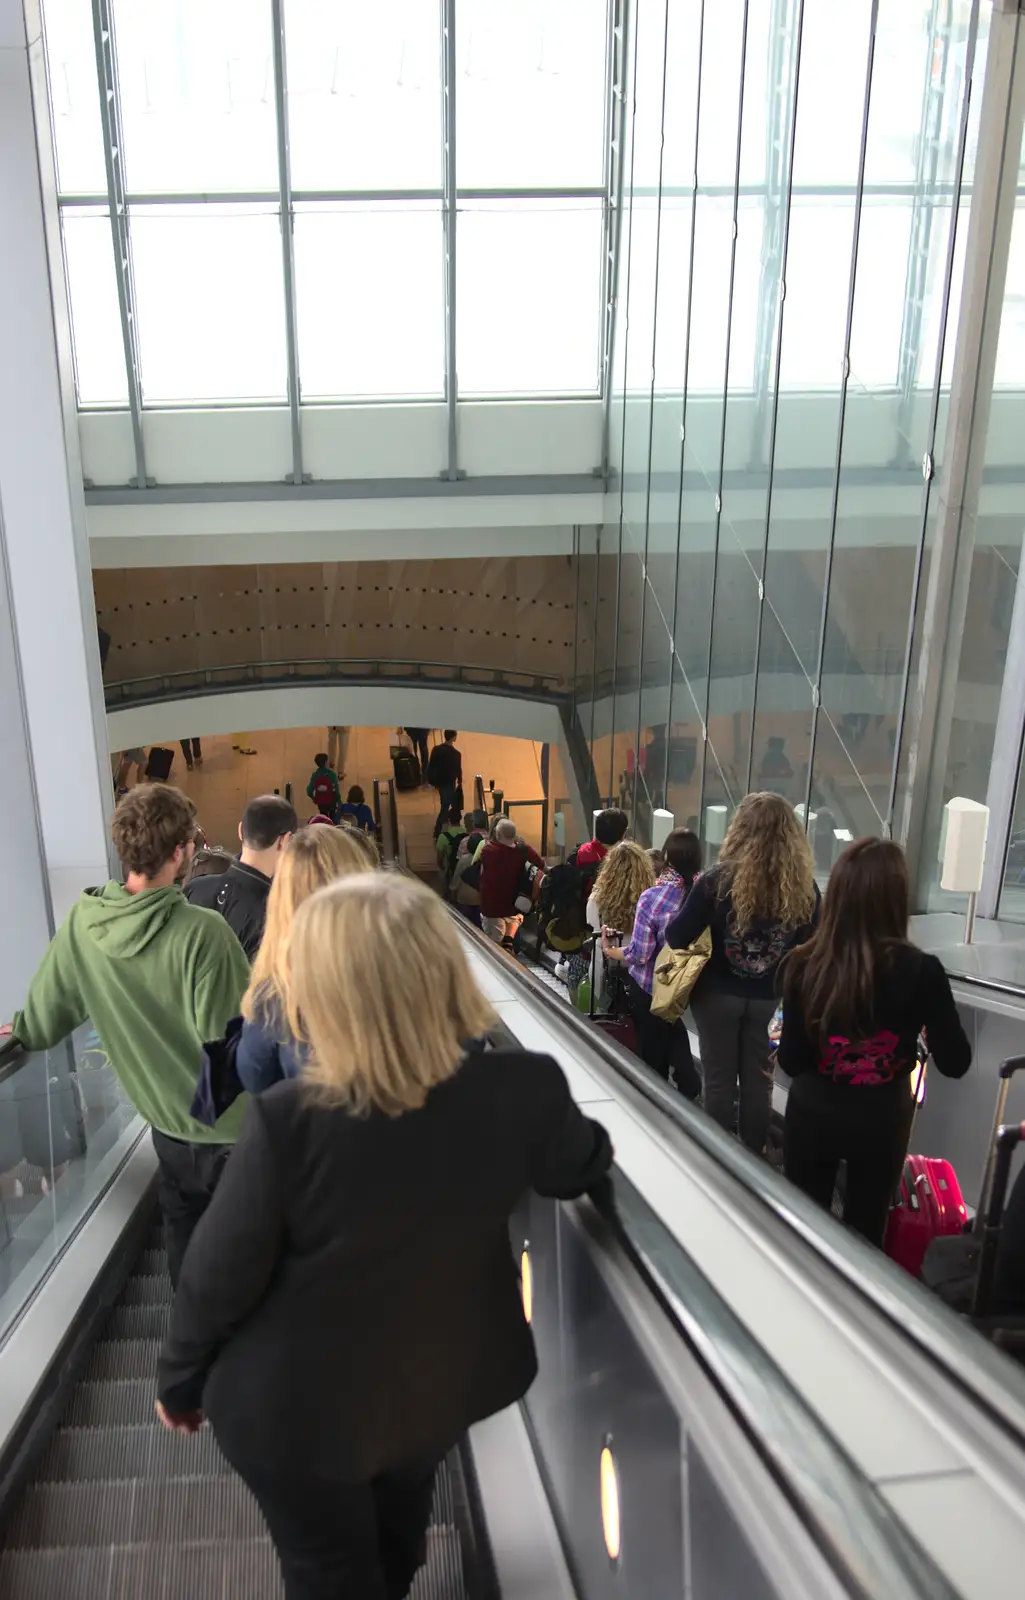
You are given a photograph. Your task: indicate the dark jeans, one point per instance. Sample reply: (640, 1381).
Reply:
(192, 750)
(734, 1036)
(663, 1046)
(447, 799)
(422, 752)
(345, 1541)
(869, 1128)
(189, 1174)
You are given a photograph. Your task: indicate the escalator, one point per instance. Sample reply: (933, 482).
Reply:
(119, 1507)
(735, 1401)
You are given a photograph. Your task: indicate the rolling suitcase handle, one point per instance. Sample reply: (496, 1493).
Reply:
(1007, 1071)
(1005, 1144)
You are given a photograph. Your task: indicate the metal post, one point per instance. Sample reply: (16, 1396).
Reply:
(816, 693)
(449, 217)
(546, 784)
(781, 226)
(287, 237)
(613, 208)
(934, 414)
(725, 391)
(969, 921)
(113, 155)
(931, 707)
(1008, 743)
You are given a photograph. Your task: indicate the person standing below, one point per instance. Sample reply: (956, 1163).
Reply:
(502, 861)
(759, 901)
(241, 894)
(610, 826)
(357, 811)
(445, 773)
(157, 977)
(368, 1197)
(419, 737)
(323, 787)
(663, 1046)
(855, 998)
(448, 842)
(192, 750)
(338, 748)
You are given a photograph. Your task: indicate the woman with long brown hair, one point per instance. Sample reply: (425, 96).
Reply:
(759, 900)
(855, 999)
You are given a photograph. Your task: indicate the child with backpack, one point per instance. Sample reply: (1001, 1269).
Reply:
(323, 788)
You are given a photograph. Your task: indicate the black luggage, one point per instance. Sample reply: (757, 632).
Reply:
(961, 1269)
(158, 767)
(407, 771)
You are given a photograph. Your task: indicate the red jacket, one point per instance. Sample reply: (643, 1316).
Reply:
(592, 854)
(500, 868)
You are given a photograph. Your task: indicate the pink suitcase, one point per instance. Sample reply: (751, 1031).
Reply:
(929, 1206)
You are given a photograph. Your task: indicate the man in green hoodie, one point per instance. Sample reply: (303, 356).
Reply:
(158, 978)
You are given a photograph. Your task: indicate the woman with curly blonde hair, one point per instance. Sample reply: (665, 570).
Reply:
(622, 878)
(759, 901)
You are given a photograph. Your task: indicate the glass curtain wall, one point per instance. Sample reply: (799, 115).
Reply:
(216, 142)
(797, 182)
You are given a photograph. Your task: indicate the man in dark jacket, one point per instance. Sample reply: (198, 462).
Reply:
(240, 894)
(445, 773)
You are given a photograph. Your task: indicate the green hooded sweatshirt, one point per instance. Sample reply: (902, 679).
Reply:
(158, 978)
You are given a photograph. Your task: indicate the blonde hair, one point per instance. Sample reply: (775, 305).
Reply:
(381, 994)
(769, 871)
(622, 878)
(311, 858)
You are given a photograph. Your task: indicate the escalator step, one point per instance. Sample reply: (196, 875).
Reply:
(147, 1289)
(153, 1260)
(442, 1576)
(111, 1402)
(77, 1455)
(138, 1322)
(157, 1511)
(124, 1358)
(189, 1572)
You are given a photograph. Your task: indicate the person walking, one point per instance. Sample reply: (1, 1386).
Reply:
(759, 901)
(445, 773)
(338, 748)
(855, 998)
(323, 787)
(157, 977)
(502, 863)
(368, 1197)
(241, 894)
(192, 750)
(663, 1046)
(267, 1049)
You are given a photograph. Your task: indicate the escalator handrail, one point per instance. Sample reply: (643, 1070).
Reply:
(845, 1512)
(962, 1355)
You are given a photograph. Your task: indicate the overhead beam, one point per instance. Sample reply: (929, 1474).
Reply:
(287, 218)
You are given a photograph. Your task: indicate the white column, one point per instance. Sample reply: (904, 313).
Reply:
(26, 921)
(41, 492)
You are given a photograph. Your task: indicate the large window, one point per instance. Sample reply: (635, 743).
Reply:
(211, 125)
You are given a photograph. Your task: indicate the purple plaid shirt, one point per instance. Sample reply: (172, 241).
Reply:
(655, 911)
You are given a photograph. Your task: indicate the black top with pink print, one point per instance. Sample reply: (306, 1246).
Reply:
(912, 996)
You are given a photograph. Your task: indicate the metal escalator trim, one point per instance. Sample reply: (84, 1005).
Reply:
(844, 1512)
(966, 1360)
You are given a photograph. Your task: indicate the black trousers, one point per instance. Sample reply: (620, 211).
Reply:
(867, 1127)
(663, 1046)
(423, 753)
(192, 750)
(734, 1039)
(189, 1174)
(344, 1541)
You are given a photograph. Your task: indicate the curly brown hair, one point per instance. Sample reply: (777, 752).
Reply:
(767, 863)
(149, 824)
(622, 878)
